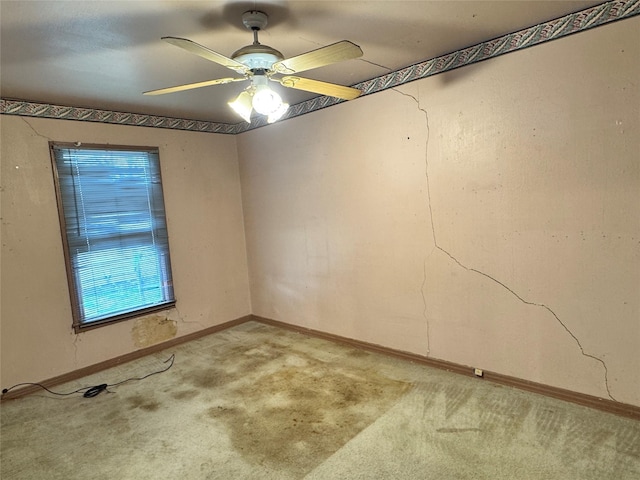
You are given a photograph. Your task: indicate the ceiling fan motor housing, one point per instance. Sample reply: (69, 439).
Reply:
(258, 56)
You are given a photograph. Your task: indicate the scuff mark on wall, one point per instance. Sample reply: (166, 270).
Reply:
(494, 280)
(151, 330)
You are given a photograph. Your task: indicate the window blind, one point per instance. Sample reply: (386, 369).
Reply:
(114, 222)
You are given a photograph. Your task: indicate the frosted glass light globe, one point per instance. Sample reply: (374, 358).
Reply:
(277, 115)
(242, 105)
(266, 101)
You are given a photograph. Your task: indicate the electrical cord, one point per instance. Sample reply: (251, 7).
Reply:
(90, 392)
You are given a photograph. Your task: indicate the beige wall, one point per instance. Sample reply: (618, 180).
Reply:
(489, 216)
(204, 215)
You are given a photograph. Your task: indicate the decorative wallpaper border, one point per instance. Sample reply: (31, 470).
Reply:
(44, 110)
(552, 30)
(541, 33)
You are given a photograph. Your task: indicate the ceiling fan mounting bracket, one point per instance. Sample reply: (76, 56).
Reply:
(254, 20)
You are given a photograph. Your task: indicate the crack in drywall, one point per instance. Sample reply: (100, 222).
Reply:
(76, 339)
(187, 322)
(424, 263)
(424, 304)
(541, 305)
(35, 131)
(511, 291)
(311, 41)
(375, 64)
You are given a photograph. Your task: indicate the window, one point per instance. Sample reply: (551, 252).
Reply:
(114, 232)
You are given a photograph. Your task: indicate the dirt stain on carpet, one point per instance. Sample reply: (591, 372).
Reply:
(143, 403)
(289, 412)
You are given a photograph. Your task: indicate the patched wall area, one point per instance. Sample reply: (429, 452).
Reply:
(148, 331)
(488, 216)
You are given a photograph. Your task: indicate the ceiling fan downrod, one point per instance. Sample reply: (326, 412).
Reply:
(255, 21)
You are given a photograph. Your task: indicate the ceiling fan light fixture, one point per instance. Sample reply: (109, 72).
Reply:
(242, 105)
(277, 115)
(266, 101)
(259, 64)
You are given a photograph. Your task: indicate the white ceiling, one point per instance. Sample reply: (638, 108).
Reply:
(104, 54)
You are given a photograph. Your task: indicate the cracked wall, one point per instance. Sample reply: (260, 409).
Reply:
(204, 215)
(489, 216)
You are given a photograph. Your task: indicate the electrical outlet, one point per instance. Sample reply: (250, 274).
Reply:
(478, 372)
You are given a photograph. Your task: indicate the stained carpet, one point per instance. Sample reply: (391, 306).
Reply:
(259, 402)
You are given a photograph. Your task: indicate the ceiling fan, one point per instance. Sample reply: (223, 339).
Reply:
(259, 64)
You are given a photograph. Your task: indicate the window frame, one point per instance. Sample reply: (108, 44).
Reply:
(78, 324)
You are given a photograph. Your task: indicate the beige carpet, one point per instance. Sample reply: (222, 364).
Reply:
(258, 402)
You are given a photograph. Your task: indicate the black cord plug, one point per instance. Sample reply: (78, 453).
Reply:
(90, 392)
(93, 391)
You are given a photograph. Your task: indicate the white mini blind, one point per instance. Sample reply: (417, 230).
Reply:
(117, 245)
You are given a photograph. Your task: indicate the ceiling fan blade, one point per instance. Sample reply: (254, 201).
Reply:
(323, 88)
(207, 53)
(337, 52)
(189, 86)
